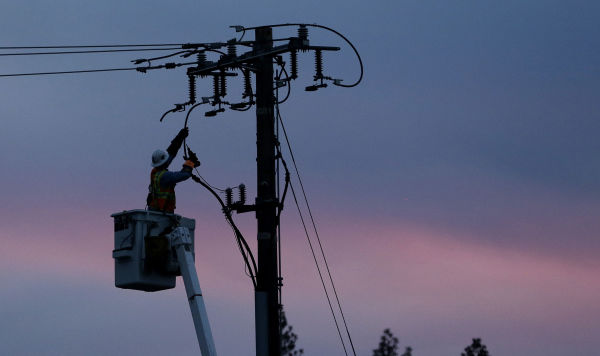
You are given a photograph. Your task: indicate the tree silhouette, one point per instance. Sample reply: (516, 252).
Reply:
(407, 351)
(288, 338)
(388, 345)
(476, 349)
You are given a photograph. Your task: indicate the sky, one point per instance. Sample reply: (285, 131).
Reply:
(456, 189)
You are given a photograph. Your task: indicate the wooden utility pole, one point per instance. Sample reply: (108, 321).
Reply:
(267, 306)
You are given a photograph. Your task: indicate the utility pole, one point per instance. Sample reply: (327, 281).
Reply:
(266, 294)
(259, 60)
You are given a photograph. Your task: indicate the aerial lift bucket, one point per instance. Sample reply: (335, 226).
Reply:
(144, 257)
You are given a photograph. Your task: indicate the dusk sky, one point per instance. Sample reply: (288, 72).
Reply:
(456, 189)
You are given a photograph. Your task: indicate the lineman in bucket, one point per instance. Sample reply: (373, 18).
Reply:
(161, 195)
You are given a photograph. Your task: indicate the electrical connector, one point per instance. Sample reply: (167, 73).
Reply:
(238, 105)
(280, 83)
(315, 87)
(213, 112)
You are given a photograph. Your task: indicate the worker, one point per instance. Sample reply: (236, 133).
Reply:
(161, 195)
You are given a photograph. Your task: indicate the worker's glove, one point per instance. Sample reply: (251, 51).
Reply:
(191, 156)
(188, 166)
(177, 142)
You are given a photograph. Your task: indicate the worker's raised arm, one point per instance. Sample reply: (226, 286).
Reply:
(177, 142)
(172, 178)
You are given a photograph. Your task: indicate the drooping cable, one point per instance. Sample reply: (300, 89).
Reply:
(247, 255)
(250, 264)
(278, 221)
(189, 112)
(331, 30)
(315, 229)
(287, 80)
(177, 108)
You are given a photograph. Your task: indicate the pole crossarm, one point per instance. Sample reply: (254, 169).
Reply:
(252, 56)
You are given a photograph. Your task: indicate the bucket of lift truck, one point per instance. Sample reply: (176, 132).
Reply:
(144, 257)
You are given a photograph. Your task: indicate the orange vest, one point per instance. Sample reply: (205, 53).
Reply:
(162, 199)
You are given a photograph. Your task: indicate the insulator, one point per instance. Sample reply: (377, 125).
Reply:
(294, 62)
(247, 84)
(201, 57)
(216, 87)
(192, 89)
(303, 32)
(242, 189)
(318, 64)
(223, 84)
(231, 49)
(228, 196)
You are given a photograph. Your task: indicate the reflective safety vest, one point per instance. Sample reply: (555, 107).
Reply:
(162, 199)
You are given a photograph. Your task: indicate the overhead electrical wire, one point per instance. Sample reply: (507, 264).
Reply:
(280, 156)
(312, 250)
(88, 52)
(68, 72)
(92, 46)
(280, 120)
(142, 60)
(139, 69)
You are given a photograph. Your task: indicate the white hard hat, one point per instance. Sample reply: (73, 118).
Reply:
(159, 157)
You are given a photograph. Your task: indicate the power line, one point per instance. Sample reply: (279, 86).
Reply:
(86, 52)
(68, 72)
(139, 69)
(312, 250)
(89, 46)
(316, 234)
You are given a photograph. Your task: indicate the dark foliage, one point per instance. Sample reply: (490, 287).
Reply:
(388, 345)
(476, 349)
(288, 338)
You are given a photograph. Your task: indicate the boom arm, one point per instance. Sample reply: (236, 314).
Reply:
(181, 241)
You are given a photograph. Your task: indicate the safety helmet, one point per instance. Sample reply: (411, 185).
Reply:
(159, 157)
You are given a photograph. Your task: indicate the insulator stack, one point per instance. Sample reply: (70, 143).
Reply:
(303, 32)
(216, 87)
(228, 196)
(231, 48)
(201, 57)
(242, 189)
(192, 89)
(223, 84)
(294, 61)
(247, 84)
(318, 64)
